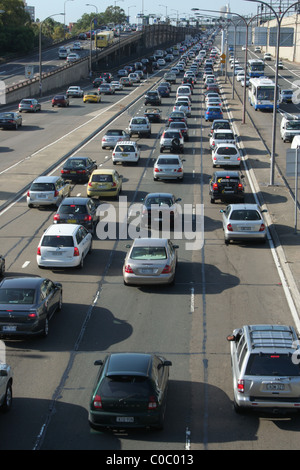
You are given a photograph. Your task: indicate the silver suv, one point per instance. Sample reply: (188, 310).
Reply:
(6, 380)
(265, 366)
(140, 125)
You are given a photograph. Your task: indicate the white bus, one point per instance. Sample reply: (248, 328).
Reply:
(261, 93)
(256, 68)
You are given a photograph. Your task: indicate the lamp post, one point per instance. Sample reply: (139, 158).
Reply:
(91, 36)
(279, 21)
(65, 16)
(166, 7)
(40, 49)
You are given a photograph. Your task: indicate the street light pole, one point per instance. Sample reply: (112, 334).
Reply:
(65, 16)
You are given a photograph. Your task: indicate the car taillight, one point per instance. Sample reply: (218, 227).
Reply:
(32, 315)
(240, 187)
(97, 403)
(229, 228)
(65, 172)
(56, 193)
(38, 252)
(167, 269)
(241, 386)
(262, 227)
(156, 170)
(87, 218)
(28, 193)
(56, 217)
(76, 251)
(128, 269)
(152, 404)
(215, 186)
(179, 170)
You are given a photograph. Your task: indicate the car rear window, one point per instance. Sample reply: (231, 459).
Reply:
(42, 187)
(102, 178)
(17, 296)
(223, 136)
(125, 386)
(125, 148)
(75, 164)
(226, 151)
(72, 209)
(245, 215)
(272, 365)
(112, 132)
(168, 161)
(171, 134)
(57, 240)
(148, 253)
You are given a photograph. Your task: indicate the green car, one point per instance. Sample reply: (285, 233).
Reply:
(130, 391)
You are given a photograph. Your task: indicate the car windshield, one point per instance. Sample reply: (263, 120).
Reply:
(148, 253)
(59, 97)
(272, 365)
(124, 387)
(248, 214)
(223, 136)
(57, 241)
(42, 187)
(101, 178)
(168, 161)
(72, 209)
(75, 164)
(17, 296)
(138, 121)
(222, 125)
(226, 151)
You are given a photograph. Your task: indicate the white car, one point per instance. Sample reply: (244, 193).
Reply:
(182, 105)
(185, 91)
(6, 380)
(168, 167)
(64, 246)
(75, 91)
(161, 62)
(134, 77)
(226, 155)
(76, 46)
(117, 85)
(139, 125)
(240, 75)
(127, 151)
(72, 57)
(221, 136)
(267, 56)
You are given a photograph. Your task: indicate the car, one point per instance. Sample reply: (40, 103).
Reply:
(242, 222)
(185, 91)
(214, 102)
(125, 81)
(91, 97)
(60, 100)
(213, 88)
(153, 114)
(246, 82)
(221, 136)
(77, 210)
(113, 136)
(104, 183)
(134, 77)
(130, 391)
(267, 56)
(170, 77)
(27, 305)
(168, 167)
(6, 382)
(29, 104)
(76, 46)
(182, 127)
(126, 152)
(160, 210)
(212, 113)
(97, 82)
(10, 120)
(164, 91)
(78, 169)
(265, 368)
(47, 190)
(117, 85)
(226, 186)
(2, 266)
(183, 105)
(226, 155)
(161, 62)
(286, 96)
(64, 246)
(72, 57)
(172, 140)
(139, 125)
(177, 116)
(106, 89)
(280, 64)
(211, 95)
(152, 97)
(150, 261)
(257, 49)
(238, 69)
(240, 75)
(106, 76)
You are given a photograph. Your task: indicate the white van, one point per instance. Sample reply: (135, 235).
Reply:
(296, 142)
(289, 127)
(63, 52)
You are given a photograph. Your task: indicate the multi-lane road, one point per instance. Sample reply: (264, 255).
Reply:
(217, 289)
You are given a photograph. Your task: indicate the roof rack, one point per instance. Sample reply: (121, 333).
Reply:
(270, 337)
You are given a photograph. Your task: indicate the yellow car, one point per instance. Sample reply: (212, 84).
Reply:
(104, 183)
(92, 97)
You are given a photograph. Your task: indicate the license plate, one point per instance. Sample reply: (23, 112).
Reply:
(42, 196)
(125, 419)
(71, 221)
(124, 154)
(73, 172)
(146, 271)
(245, 229)
(226, 158)
(275, 387)
(9, 328)
(56, 253)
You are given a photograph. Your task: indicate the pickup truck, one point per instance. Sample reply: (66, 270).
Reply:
(6, 380)
(226, 185)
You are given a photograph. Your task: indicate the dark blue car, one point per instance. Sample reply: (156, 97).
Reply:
(163, 91)
(213, 112)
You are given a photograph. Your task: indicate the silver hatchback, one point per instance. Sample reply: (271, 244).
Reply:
(265, 367)
(48, 190)
(30, 104)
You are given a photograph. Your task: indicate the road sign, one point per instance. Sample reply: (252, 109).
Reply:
(290, 169)
(223, 56)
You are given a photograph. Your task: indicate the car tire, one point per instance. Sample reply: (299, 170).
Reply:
(45, 331)
(212, 200)
(59, 306)
(7, 403)
(226, 241)
(80, 265)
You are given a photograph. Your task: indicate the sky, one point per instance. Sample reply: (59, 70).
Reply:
(74, 9)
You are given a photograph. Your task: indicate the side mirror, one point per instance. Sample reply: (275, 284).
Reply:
(98, 363)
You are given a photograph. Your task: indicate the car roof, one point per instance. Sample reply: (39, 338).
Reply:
(46, 179)
(263, 338)
(245, 207)
(222, 173)
(103, 172)
(75, 200)
(129, 364)
(62, 229)
(128, 142)
(79, 157)
(160, 195)
(150, 242)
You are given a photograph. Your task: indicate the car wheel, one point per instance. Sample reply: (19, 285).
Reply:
(46, 328)
(80, 266)
(212, 200)
(6, 406)
(226, 241)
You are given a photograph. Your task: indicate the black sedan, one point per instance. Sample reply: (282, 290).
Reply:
(130, 391)
(226, 186)
(163, 91)
(78, 169)
(152, 98)
(77, 210)
(153, 114)
(10, 120)
(27, 304)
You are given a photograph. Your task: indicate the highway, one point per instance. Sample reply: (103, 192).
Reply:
(217, 289)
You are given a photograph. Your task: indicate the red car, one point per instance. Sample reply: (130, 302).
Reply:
(60, 100)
